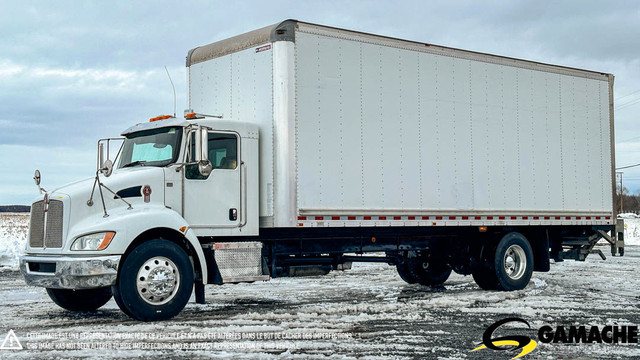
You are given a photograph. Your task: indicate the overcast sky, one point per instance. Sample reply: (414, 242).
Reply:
(72, 72)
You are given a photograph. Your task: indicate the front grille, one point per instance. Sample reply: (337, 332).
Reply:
(36, 227)
(52, 237)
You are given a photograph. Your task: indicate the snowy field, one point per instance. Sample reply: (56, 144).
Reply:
(13, 238)
(365, 313)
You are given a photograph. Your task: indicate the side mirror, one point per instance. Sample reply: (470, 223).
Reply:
(101, 155)
(105, 152)
(205, 167)
(202, 152)
(36, 177)
(107, 168)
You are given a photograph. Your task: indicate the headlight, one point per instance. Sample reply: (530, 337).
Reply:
(97, 241)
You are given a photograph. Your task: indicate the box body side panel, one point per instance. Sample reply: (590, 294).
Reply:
(386, 128)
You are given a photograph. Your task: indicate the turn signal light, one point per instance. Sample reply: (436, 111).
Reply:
(159, 118)
(106, 240)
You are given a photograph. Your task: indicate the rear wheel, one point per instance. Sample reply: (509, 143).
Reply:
(405, 274)
(486, 279)
(423, 270)
(507, 266)
(155, 282)
(80, 300)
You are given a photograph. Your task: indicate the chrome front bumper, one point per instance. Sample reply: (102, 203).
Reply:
(70, 272)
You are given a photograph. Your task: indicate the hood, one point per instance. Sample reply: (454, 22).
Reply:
(123, 182)
(129, 183)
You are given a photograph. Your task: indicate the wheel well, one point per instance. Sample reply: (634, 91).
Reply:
(170, 235)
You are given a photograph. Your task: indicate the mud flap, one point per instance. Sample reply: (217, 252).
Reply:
(541, 253)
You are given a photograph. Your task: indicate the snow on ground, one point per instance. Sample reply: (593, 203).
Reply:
(13, 238)
(364, 313)
(632, 231)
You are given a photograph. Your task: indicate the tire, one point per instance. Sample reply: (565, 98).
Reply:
(508, 266)
(155, 281)
(420, 270)
(405, 274)
(486, 279)
(434, 274)
(80, 300)
(621, 251)
(118, 299)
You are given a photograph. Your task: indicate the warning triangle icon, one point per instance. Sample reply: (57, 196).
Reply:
(11, 342)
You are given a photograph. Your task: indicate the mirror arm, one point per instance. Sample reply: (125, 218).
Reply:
(93, 189)
(100, 186)
(117, 196)
(104, 206)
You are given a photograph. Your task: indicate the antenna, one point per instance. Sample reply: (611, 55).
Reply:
(174, 91)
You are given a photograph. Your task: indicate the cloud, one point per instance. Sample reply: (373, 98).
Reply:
(78, 103)
(73, 72)
(59, 165)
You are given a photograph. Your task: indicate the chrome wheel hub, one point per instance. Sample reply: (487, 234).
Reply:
(515, 262)
(158, 280)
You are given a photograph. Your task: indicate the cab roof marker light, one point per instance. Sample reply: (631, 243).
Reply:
(193, 116)
(162, 117)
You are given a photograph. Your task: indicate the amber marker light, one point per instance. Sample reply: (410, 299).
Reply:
(106, 240)
(159, 118)
(482, 228)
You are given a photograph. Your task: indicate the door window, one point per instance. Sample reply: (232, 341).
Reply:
(223, 154)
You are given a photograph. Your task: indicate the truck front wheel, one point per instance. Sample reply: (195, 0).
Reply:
(155, 281)
(80, 300)
(508, 266)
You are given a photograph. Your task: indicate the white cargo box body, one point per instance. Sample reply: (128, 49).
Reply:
(364, 130)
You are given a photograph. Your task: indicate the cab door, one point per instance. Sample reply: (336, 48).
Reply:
(212, 203)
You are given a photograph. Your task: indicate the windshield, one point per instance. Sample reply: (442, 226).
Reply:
(157, 147)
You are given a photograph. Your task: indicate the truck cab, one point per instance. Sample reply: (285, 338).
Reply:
(133, 230)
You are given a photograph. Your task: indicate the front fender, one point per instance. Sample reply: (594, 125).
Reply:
(129, 224)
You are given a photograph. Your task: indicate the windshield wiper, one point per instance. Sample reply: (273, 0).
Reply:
(137, 162)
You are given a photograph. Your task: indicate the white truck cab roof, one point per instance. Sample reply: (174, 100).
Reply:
(243, 128)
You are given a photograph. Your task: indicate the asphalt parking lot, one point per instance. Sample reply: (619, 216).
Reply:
(366, 313)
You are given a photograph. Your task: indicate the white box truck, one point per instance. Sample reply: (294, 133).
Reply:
(307, 148)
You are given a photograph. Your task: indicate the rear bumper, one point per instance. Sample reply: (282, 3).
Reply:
(70, 272)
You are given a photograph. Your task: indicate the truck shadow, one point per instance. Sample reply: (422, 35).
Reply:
(411, 292)
(216, 311)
